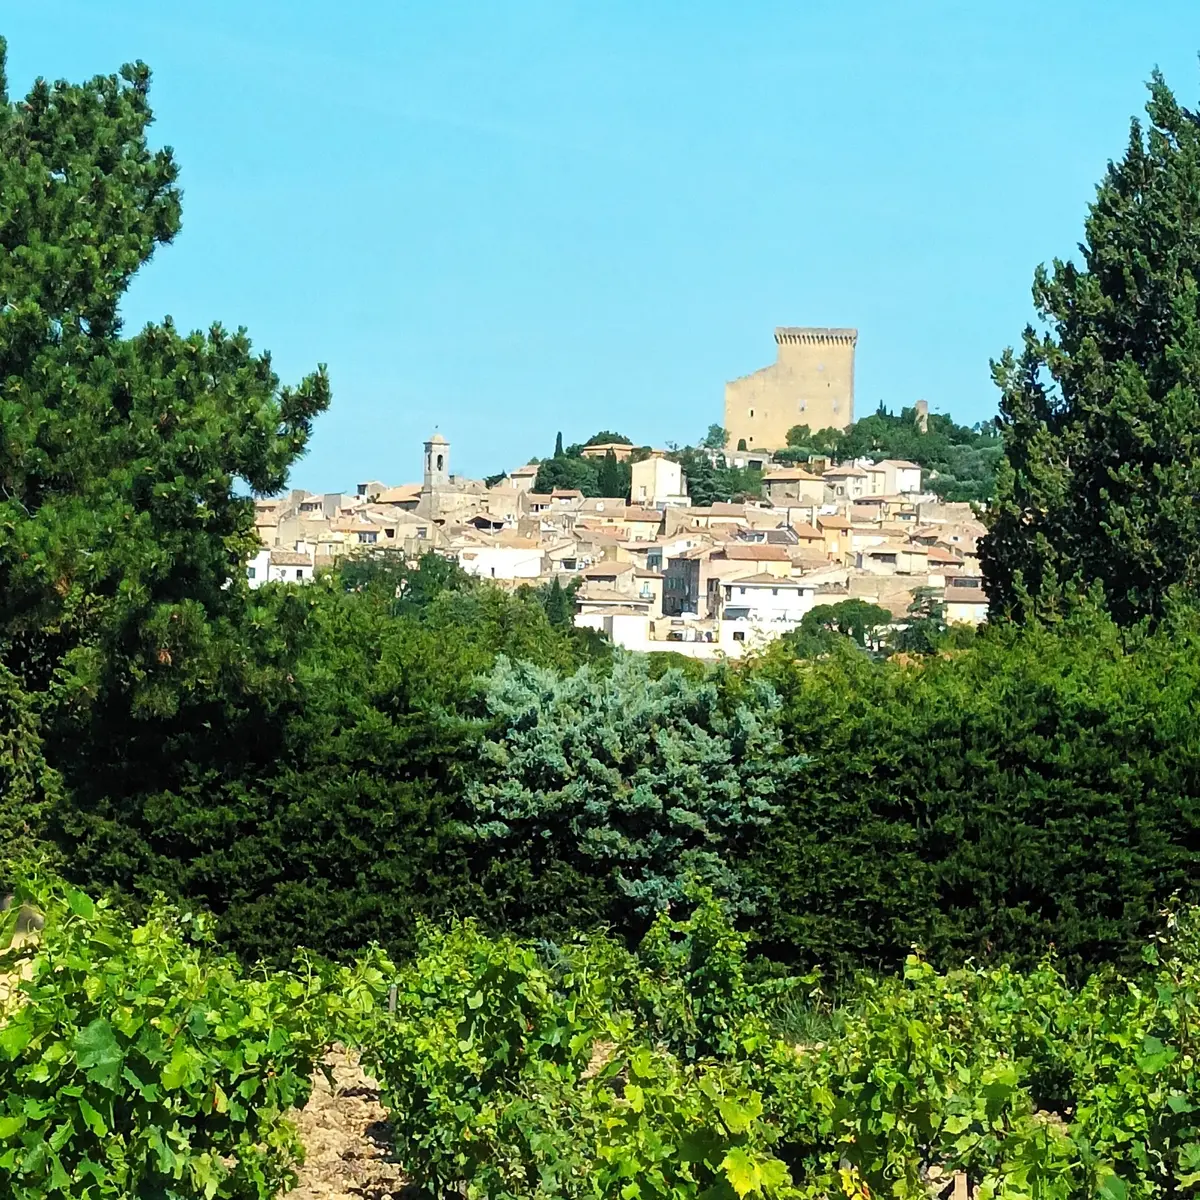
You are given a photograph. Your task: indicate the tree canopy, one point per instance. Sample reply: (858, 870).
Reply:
(1100, 410)
(126, 463)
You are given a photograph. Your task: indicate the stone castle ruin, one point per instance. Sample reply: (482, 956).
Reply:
(810, 383)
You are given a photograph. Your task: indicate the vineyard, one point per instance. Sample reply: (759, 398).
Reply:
(139, 1061)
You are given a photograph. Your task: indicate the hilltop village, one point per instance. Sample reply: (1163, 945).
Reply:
(652, 568)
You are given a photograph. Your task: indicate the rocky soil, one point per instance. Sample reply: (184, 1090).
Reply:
(344, 1132)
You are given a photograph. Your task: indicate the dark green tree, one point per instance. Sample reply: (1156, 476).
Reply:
(560, 609)
(715, 438)
(799, 435)
(1100, 411)
(606, 437)
(558, 446)
(126, 463)
(610, 479)
(856, 619)
(566, 471)
(924, 626)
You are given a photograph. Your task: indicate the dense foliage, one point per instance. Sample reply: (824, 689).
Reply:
(513, 1071)
(824, 625)
(959, 462)
(319, 819)
(569, 469)
(717, 482)
(644, 781)
(136, 1062)
(123, 461)
(1101, 409)
(1038, 788)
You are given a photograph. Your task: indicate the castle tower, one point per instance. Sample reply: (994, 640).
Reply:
(810, 383)
(437, 463)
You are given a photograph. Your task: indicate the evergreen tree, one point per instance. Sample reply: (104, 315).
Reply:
(607, 437)
(610, 480)
(624, 777)
(560, 611)
(1101, 409)
(558, 446)
(126, 464)
(925, 625)
(715, 438)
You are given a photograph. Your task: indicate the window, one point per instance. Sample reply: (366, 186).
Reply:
(368, 539)
(299, 573)
(774, 591)
(752, 412)
(390, 533)
(741, 591)
(441, 460)
(739, 635)
(422, 531)
(251, 573)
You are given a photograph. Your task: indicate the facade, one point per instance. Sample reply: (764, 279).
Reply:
(279, 566)
(658, 482)
(848, 482)
(766, 599)
(522, 478)
(502, 562)
(901, 478)
(620, 450)
(810, 383)
(437, 463)
(790, 486)
(966, 601)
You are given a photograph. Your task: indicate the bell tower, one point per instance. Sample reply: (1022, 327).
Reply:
(437, 463)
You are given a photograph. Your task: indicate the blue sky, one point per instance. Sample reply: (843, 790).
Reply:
(510, 219)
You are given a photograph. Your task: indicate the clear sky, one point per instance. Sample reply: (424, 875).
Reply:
(507, 219)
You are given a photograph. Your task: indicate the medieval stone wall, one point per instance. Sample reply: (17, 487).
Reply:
(810, 383)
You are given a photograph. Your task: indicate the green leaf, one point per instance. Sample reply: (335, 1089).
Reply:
(10, 1125)
(178, 1071)
(1155, 1056)
(80, 903)
(741, 1171)
(94, 1120)
(1113, 1187)
(13, 1039)
(98, 1053)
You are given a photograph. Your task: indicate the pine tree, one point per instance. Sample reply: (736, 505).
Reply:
(558, 446)
(1100, 411)
(126, 463)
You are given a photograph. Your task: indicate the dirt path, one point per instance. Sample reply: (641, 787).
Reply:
(345, 1136)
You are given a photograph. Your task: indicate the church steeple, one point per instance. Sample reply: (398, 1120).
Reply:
(437, 463)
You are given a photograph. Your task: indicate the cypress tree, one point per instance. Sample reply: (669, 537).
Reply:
(609, 480)
(1100, 411)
